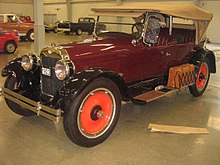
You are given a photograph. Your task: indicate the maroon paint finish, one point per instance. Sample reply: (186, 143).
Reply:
(4, 37)
(115, 51)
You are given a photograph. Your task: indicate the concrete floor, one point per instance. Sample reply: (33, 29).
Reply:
(35, 140)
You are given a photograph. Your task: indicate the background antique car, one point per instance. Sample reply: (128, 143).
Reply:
(52, 27)
(63, 26)
(140, 57)
(85, 24)
(12, 22)
(8, 41)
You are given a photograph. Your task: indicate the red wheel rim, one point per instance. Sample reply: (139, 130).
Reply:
(202, 76)
(96, 113)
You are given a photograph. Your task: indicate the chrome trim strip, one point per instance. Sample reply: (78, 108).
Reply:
(39, 109)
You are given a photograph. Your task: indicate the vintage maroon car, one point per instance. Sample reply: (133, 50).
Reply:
(150, 50)
(8, 41)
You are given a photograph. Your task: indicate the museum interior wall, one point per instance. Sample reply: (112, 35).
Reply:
(57, 10)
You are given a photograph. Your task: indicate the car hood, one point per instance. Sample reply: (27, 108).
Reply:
(97, 52)
(105, 43)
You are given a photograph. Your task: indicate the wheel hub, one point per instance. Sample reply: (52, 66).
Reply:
(201, 76)
(97, 113)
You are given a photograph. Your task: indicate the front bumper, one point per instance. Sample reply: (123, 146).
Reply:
(20, 34)
(40, 109)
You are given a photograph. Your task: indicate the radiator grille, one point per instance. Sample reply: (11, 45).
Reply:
(49, 84)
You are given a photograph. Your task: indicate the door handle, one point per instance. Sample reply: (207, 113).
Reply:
(168, 54)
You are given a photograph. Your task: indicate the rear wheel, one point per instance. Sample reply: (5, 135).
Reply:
(91, 117)
(12, 84)
(10, 47)
(202, 78)
(79, 31)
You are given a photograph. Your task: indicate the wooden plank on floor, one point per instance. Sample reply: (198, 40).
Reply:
(176, 129)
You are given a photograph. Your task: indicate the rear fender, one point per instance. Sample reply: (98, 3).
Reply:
(205, 53)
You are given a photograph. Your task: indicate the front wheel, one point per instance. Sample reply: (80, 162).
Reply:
(202, 72)
(12, 84)
(91, 117)
(55, 30)
(10, 47)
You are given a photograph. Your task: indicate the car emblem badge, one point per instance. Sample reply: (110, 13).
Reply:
(49, 52)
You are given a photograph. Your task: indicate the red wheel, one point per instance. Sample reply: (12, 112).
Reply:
(91, 117)
(96, 113)
(202, 78)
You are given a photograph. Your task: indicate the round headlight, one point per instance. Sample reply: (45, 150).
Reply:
(27, 62)
(62, 69)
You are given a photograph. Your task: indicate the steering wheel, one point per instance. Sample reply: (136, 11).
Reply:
(137, 29)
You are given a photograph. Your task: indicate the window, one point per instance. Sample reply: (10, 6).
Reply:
(12, 18)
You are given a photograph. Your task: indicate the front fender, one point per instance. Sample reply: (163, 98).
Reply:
(74, 86)
(13, 66)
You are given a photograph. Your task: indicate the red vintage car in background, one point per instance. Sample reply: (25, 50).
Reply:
(8, 41)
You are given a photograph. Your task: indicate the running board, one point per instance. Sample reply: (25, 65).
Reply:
(156, 94)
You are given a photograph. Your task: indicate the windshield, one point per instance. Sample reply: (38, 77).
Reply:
(121, 25)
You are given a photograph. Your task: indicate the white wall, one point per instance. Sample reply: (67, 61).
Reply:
(17, 8)
(214, 27)
(84, 9)
(59, 9)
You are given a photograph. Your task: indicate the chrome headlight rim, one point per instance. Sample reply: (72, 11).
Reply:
(63, 69)
(27, 62)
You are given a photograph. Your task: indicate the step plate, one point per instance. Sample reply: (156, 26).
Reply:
(153, 95)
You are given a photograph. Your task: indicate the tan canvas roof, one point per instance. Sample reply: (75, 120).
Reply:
(182, 10)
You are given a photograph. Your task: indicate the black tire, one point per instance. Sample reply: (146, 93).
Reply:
(92, 127)
(79, 31)
(55, 30)
(11, 83)
(202, 72)
(10, 47)
(30, 35)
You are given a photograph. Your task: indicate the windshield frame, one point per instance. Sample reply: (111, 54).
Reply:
(96, 34)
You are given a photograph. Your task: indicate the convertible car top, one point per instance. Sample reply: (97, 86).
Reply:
(200, 17)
